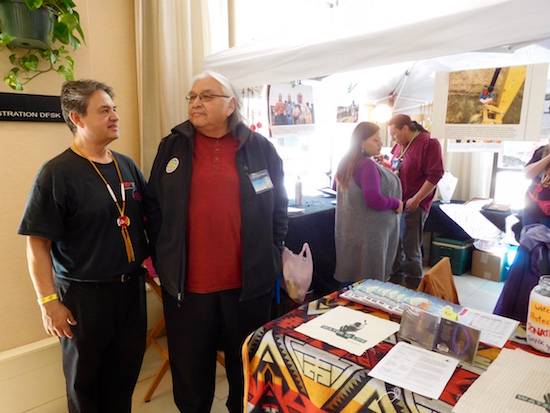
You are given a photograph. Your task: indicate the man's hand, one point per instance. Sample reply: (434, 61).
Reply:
(57, 319)
(411, 205)
(399, 208)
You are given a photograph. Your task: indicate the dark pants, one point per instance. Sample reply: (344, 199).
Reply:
(202, 324)
(102, 361)
(408, 261)
(530, 218)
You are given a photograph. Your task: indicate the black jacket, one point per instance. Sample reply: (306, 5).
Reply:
(264, 219)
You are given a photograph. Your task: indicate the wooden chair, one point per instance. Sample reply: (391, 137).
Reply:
(439, 282)
(152, 340)
(157, 329)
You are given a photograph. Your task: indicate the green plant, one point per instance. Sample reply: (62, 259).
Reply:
(30, 63)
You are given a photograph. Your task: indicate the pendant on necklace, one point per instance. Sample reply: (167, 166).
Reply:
(123, 221)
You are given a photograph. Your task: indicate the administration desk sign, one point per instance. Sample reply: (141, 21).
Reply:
(30, 108)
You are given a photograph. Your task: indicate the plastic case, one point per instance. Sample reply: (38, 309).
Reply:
(459, 252)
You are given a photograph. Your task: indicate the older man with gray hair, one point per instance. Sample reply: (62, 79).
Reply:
(218, 219)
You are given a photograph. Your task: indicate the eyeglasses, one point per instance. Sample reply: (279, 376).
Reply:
(203, 97)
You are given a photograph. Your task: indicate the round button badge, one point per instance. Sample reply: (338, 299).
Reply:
(172, 165)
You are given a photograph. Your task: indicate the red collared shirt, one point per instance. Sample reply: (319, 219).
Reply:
(422, 162)
(214, 260)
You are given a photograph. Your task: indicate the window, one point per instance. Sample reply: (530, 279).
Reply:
(511, 184)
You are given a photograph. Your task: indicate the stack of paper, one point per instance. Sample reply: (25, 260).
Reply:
(516, 381)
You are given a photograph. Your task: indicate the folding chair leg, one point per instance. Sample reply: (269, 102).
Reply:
(155, 331)
(220, 358)
(162, 371)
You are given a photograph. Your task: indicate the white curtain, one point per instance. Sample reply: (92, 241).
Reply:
(172, 38)
(473, 171)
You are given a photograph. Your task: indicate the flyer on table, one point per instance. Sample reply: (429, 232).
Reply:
(350, 330)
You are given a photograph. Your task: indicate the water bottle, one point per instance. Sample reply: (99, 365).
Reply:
(298, 192)
(538, 319)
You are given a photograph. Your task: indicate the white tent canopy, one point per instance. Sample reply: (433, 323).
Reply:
(499, 26)
(376, 83)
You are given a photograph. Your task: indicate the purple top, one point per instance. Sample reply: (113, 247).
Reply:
(367, 178)
(532, 212)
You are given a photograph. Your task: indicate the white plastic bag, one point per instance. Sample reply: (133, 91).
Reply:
(446, 186)
(297, 272)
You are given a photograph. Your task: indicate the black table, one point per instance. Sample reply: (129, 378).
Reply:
(440, 223)
(316, 227)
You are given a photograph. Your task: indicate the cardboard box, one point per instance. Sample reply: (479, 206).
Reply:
(487, 265)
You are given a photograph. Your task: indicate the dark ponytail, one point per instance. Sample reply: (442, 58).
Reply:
(401, 120)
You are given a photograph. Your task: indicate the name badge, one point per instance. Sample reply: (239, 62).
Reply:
(396, 164)
(261, 181)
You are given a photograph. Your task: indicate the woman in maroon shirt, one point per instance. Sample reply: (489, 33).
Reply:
(418, 162)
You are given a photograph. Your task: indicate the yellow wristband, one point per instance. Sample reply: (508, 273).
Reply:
(47, 298)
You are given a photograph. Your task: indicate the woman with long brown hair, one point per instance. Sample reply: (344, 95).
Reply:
(367, 211)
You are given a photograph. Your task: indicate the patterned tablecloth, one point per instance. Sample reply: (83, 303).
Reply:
(288, 372)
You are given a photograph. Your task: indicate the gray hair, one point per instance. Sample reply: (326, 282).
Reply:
(75, 96)
(236, 117)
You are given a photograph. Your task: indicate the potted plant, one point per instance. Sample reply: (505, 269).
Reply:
(38, 33)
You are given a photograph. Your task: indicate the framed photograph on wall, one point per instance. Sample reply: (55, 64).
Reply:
(291, 104)
(348, 113)
(504, 103)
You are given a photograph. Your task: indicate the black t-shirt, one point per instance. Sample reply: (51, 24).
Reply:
(70, 205)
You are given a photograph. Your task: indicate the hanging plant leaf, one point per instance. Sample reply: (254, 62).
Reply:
(69, 4)
(5, 39)
(34, 4)
(30, 63)
(70, 62)
(74, 42)
(12, 80)
(69, 20)
(78, 27)
(52, 56)
(61, 33)
(66, 72)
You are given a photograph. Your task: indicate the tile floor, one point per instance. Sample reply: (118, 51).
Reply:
(162, 400)
(477, 292)
(473, 291)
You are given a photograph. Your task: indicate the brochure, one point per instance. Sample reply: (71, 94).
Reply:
(395, 299)
(416, 369)
(495, 330)
(350, 330)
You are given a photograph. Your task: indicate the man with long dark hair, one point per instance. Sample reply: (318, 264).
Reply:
(417, 159)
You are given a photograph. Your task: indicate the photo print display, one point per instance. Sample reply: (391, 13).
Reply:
(291, 104)
(500, 103)
(347, 108)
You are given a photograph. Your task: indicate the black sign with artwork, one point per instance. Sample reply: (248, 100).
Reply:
(30, 108)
